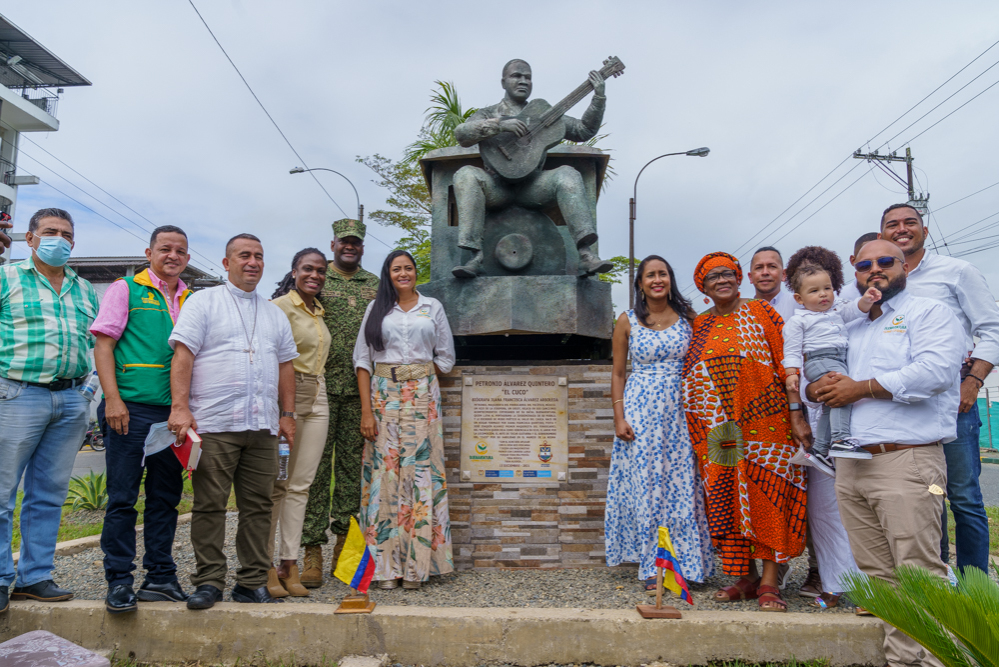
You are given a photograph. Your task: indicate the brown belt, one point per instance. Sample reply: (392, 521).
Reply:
(886, 447)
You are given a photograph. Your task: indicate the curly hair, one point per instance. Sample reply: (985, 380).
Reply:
(810, 260)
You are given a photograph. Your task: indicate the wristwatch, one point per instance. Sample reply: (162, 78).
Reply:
(285, 413)
(794, 407)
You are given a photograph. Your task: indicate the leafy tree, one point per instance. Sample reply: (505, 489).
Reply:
(620, 270)
(409, 198)
(443, 115)
(958, 624)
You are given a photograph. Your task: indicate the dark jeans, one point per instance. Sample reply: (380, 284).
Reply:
(164, 485)
(964, 465)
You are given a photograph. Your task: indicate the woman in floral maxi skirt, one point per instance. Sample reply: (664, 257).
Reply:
(404, 342)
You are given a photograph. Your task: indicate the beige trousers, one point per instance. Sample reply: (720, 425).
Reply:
(892, 518)
(291, 495)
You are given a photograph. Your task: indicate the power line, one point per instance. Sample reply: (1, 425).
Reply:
(100, 215)
(980, 75)
(126, 218)
(977, 231)
(882, 131)
(270, 117)
(834, 198)
(937, 210)
(952, 113)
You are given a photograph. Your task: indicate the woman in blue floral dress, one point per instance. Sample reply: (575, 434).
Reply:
(653, 477)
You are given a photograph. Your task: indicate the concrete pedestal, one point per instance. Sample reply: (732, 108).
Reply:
(558, 524)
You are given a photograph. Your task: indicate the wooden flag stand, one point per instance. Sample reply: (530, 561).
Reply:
(356, 603)
(658, 611)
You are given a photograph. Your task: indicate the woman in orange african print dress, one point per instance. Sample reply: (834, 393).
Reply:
(737, 414)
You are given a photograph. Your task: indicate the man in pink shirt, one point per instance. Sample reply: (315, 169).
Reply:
(133, 361)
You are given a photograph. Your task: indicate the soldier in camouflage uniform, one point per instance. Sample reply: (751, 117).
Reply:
(345, 297)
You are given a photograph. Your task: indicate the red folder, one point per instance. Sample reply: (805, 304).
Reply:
(189, 453)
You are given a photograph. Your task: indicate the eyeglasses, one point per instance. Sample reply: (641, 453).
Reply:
(712, 278)
(865, 265)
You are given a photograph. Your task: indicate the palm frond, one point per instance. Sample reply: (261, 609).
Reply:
(443, 115)
(956, 624)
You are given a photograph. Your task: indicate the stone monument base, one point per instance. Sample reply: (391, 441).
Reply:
(564, 317)
(549, 525)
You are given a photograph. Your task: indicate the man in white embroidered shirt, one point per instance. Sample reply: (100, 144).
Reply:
(962, 288)
(904, 360)
(233, 352)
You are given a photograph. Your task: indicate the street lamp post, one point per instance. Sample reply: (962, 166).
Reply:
(360, 209)
(697, 152)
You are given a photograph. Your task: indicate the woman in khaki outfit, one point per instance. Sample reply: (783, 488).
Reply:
(296, 296)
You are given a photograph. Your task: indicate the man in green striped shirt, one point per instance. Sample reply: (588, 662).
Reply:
(46, 310)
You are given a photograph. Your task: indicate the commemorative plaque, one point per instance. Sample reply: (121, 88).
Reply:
(514, 429)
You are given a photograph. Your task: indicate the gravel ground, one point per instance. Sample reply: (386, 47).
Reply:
(598, 588)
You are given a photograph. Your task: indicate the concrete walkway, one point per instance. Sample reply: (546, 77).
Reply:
(165, 633)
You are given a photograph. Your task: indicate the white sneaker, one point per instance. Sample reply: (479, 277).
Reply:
(848, 449)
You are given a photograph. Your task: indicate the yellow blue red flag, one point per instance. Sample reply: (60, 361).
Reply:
(356, 565)
(672, 575)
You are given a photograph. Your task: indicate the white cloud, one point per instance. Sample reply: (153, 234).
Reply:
(781, 92)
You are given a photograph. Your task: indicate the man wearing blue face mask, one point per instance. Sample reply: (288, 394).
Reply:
(46, 311)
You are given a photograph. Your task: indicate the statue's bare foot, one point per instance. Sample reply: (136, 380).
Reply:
(470, 270)
(590, 264)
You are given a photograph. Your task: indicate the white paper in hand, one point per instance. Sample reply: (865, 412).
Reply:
(158, 439)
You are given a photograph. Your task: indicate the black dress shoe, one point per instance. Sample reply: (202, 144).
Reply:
(168, 592)
(4, 599)
(244, 594)
(204, 597)
(121, 598)
(44, 591)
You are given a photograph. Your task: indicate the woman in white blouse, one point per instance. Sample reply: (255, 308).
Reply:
(404, 343)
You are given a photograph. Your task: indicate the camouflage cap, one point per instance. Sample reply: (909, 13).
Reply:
(347, 227)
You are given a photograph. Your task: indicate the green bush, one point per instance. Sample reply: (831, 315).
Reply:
(958, 624)
(89, 492)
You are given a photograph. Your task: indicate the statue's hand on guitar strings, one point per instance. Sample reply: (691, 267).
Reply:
(597, 82)
(514, 125)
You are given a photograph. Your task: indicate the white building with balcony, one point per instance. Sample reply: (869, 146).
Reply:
(31, 80)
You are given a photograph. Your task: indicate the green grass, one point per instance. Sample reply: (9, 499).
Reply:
(993, 514)
(70, 529)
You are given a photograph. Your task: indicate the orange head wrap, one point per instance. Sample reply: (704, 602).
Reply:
(713, 261)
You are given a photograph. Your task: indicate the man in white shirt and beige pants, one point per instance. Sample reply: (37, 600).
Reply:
(904, 359)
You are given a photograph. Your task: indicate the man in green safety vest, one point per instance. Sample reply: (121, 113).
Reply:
(133, 359)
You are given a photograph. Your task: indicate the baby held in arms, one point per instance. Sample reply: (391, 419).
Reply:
(815, 341)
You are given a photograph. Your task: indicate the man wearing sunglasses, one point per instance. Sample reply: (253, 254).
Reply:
(962, 288)
(904, 359)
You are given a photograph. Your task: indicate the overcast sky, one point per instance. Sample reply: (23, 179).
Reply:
(781, 92)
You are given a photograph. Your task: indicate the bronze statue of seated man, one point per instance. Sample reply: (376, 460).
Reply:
(477, 189)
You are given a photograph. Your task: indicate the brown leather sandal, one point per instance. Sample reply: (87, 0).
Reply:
(743, 589)
(770, 595)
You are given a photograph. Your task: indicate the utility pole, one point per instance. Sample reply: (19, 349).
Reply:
(920, 203)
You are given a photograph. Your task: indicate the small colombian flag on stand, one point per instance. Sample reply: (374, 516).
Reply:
(356, 565)
(666, 559)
